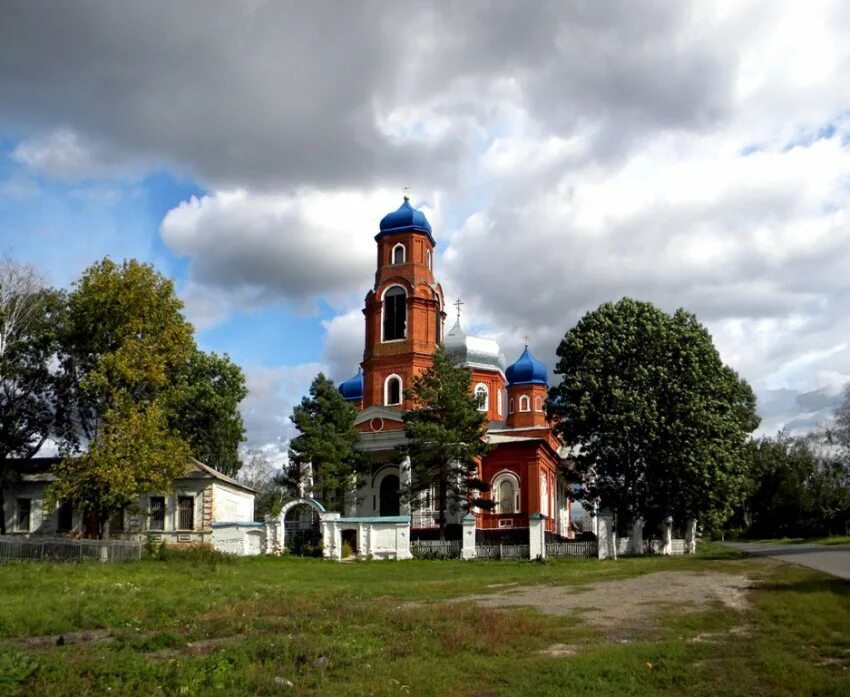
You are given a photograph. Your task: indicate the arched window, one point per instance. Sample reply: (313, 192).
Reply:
(511, 406)
(389, 498)
(538, 404)
(399, 253)
(506, 493)
(483, 396)
(438, 330)
(395, 313)
(428, 258)
(499, 402)
(392, 390)
(524, 403)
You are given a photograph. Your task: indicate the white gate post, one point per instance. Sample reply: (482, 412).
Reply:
(331, 544)
(691, 536)
(536, 536)
(667, 532)
(637, 536)
(468, 550)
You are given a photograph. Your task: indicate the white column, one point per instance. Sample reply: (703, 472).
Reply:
(468, 550)
(667, 536)
(404, 484)
(402, 541)
(536, 536)
(691, 536)
(636, 542)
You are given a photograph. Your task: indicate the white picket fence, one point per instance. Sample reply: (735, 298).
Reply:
(14, 548)
(583, 548)
(501, 552)
(435, 549)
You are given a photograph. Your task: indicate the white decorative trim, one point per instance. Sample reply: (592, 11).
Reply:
(387, 390)
(498, 478)
(499, 402)
(538, 403)
(524, 403)
(401, 246)
(428, 259)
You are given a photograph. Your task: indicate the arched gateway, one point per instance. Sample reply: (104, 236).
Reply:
(297, 531)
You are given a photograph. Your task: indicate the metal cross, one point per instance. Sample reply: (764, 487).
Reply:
(406, 191)
(526, 341)
(458, 305)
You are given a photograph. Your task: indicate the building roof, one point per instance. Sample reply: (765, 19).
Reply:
(473, 351)
(352, 389)
(406, 218)
(527, 370)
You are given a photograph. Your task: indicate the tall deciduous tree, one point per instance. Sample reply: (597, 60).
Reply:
(326, 443)
(204, 409)
(445, 438)
(30, 315)
(657, 421)
(138, 392)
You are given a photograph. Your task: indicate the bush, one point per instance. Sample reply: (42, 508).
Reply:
(195, 553)
(346, 550)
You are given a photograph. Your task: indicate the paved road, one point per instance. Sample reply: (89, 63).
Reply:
(834, 560)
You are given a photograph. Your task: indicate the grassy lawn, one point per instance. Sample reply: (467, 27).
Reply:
(309, 627)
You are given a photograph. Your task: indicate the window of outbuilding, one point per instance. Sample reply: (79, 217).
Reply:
(24, 509)
(395, 314)
(157, 513)
(65, 517)
(186, 512)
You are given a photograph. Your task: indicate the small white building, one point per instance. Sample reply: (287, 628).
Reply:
(183, 515)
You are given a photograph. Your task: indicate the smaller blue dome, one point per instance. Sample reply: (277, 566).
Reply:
(526, 371)
(352, 389)
(404, 219)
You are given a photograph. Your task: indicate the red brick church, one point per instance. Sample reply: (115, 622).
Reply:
(405, 316)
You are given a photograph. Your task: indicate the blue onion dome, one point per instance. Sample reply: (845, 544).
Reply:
(526, 371)
(352, 389)
(404, 219)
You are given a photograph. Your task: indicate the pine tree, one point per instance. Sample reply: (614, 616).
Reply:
(445, 438)
(327, 444)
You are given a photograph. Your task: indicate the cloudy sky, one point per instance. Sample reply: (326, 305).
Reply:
(692, 154)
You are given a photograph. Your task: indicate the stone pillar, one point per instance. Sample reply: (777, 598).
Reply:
(404, 485)
(468, 549)
(606, 537)
(331, 542)
(636, 543)
(691, 536)
(667, 536)
(402, 541)
(536, 536)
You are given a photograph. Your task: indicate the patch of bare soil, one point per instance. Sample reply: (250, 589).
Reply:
(627, 607)
(50, 641)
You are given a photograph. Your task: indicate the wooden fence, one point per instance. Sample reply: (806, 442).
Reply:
(67, 550)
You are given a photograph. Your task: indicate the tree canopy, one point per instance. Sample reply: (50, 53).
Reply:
(138, 395)
(657, 422)
(30, 315)
(445, 438)
(326, 443)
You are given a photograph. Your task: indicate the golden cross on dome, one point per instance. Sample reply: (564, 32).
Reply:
(458, 305)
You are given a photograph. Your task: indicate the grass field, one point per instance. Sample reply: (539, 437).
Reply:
(309, 627)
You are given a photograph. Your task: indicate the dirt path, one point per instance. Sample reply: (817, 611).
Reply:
(627, 607)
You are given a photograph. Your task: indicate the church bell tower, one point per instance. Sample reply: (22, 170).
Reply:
(404, 311)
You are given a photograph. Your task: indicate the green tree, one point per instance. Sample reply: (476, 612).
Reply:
(657, 422)
(134, 453)
(327, 443)
(204, 409)
(258, 473)
(126, 340)
(445, 438)
(29, 317)
(126, 353)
